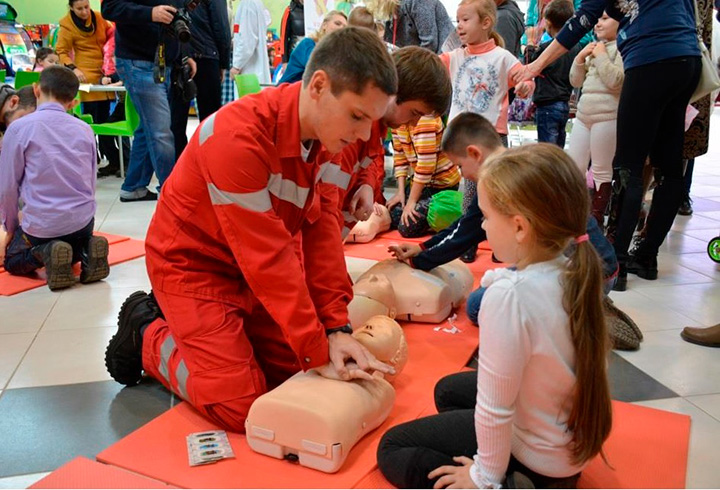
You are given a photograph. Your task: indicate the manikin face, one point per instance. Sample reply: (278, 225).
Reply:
(501, 230)
(470, 28)
(409, 112)
(385, 339)
(606, 28)
(81, 8)
(341, 120)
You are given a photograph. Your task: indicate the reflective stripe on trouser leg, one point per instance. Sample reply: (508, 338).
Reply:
(181, 371)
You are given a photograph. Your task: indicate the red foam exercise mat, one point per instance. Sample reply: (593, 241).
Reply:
(158, 449)
(84, 473)
(122, 249)
(647, 448)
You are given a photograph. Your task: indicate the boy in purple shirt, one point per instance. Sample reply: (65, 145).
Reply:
(49, 161)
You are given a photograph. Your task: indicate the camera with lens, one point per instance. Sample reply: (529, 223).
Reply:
(182, 80)
(179, 27)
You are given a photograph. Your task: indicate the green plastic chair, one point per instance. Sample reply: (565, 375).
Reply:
(247, 83)
(25, 78)
(120, 128)
(77, 111)
(3, 74)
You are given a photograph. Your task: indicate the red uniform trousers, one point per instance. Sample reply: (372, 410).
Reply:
(217, 356)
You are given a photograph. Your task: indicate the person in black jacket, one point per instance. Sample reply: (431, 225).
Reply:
(141, 27)
(210, 48)
(293, 28)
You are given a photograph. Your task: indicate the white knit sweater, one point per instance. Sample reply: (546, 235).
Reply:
(601, 80)
(526, 374)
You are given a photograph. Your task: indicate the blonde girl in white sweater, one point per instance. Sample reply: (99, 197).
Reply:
(541, 399)
(598, 69)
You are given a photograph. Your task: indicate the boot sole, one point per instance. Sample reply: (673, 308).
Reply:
(97, 267)
(58, 267)
(120, 338)
(687, 338)
(649, 275)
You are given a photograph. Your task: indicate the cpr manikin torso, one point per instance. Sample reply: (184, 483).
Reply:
(319, 419)
(365, 231)
(417, 295)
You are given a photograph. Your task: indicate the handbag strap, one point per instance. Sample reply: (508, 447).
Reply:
(697, 22)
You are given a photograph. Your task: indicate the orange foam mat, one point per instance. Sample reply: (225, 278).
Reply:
(158, 449)
(121, 249)
(647, 448)
(84, 473)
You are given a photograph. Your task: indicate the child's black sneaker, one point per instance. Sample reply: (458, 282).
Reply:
(57, 257)
(94, 260)
(123, 356)
(469, 256)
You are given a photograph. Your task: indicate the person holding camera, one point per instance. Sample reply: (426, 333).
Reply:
(146, 47)
(210, 48)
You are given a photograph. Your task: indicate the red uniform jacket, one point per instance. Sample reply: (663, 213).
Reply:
(226, 225)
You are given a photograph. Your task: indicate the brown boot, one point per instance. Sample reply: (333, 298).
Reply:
(709, 337)
(600, 203)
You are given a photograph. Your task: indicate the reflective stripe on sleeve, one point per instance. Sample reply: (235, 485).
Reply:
(207, 129)
(258, 201)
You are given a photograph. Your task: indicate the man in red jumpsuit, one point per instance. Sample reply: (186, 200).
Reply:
(424, 87)
(240, 302)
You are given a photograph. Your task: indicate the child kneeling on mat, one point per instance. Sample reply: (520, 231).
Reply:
(49, 161)
(542, 410)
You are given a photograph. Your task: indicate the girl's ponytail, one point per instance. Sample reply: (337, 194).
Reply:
(495, 36)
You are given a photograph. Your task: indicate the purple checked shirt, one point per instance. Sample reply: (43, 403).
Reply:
(49, 160)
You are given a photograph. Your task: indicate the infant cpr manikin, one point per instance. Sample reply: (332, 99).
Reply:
(395, 289)
(319, 419)
(365, 231)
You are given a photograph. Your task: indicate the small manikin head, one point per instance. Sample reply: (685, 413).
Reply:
(384, 338)
(367, 230)
(372, 295)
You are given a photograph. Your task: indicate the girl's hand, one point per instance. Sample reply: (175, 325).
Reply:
(454, 476)
(405, 251)
(398, 198)
(81, 76)
(105, 81)
(599, 49)
(522, 90)
(409, 214)
(584, 53)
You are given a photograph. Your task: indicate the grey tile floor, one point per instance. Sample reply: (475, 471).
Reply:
(57, 401)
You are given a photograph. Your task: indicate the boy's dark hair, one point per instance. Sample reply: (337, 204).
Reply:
(422, 76)
(558, 12)
(27, 98)
(60, 83)
(361, 17)
(353, 57)
(469, 128)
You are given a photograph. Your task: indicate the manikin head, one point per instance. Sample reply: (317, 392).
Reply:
(424, 87)
(468, 140)
(384, 338)
(348, 83)
(372, 295)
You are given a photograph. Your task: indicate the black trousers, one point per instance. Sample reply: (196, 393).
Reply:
(209, 100)
(20, 259)
(100, 112)
(409, 452)
(651, 119)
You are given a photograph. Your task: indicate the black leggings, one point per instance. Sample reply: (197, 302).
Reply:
(651, 119)
(409, 451)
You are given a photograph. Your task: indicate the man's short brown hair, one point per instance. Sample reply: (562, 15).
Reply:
(361, 17)
(558, 12)
(422, 76)
(60, 83)
(352, 57)
(469, 128)
(27, 98)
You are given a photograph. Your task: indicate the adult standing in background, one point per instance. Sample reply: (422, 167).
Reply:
(210, 48)
(81, 37)
(510, 25)
(423, 23)
(249, 41)
(292, 29)
(659, 46)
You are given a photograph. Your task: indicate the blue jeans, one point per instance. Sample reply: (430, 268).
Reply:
(551, 120)
(153, 148)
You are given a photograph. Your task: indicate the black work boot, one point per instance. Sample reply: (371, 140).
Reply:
(621, 281)
(57, 257)
(123, 356)
(94, 260)
(643, 265)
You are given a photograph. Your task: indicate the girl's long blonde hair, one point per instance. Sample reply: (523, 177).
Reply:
(541, 183)
(487, 9)
(320, 33)
(382, 10)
